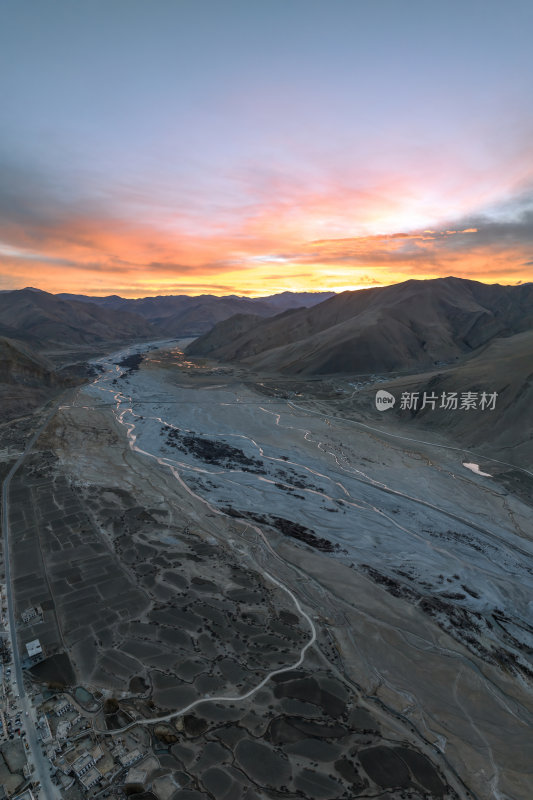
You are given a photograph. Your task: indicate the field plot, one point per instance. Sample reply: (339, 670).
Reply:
(137, 605)
(208, 626)
(62, 563)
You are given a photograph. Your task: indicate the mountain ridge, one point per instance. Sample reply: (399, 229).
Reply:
(42, 318)
(184, 315)
(410, 325)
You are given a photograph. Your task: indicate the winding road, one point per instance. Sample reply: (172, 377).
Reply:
(119, 398)
(233, 698)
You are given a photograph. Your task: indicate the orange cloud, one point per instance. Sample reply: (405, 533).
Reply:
(333, 238)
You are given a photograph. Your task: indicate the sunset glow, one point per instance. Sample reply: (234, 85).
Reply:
(278, 146)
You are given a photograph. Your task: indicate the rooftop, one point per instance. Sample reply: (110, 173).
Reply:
(34, 649)
(136, 775)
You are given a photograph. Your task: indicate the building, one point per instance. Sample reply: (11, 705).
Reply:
(66, 782)
(83, 764)
(90, 778)
(130, 758)
(5, 653)
(35, 651)
(27, 795)
(136, 777)
(63, 729)
(52, 750)
(61, 764)
(97, 752)
(43, 729)
(62, 707)
(31, 614)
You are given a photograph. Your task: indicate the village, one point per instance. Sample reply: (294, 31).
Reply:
(82, 762)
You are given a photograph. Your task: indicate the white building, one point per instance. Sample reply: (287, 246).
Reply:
(136, 777)
(83, 764)
(97, 752)
(34, 649)
(130, 758)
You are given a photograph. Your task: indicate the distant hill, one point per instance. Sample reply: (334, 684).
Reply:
(184, 315)
(39, 318)
(194, 315)
(286, 300)
(35, 322)
(411, 325)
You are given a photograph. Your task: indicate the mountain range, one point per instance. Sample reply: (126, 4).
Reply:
(36, 326)
(440, 336)
(183, 315)
(406, 326)
(41, 319)
(448, 334)
(505, 367)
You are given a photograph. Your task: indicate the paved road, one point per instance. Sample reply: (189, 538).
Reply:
(42, 766)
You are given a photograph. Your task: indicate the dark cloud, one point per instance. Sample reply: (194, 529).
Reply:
(508, 230)
(511, 224)
(37, 200)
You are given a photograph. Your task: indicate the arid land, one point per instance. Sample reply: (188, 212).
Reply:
(189, 528)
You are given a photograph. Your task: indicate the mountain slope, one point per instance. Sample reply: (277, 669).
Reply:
(41, 317)
(182, 315)
(26, 379)
(504, 366)
(405, 326)
(19, 365)
(200, 316)
(286, 300)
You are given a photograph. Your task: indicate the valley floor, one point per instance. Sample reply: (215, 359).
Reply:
(196, 534)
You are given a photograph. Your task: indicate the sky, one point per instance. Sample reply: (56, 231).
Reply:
(256, 146)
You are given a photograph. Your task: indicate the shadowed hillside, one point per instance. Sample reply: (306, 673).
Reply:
(26, 379)
(411, 325)
(41, 318)
(183, 315)
(505, 366)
